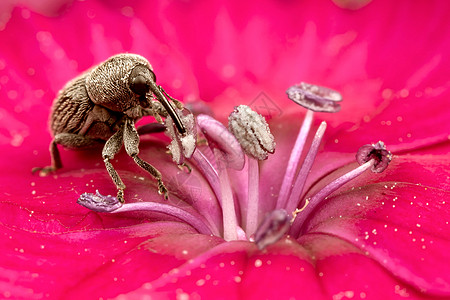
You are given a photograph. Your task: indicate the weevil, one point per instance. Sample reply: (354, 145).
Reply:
(101, 106)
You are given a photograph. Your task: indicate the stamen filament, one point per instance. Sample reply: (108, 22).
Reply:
(212, 209)
(294, 160)
(193, 220)
(315, 200)
(228, 154)
(226, 199)
(306, 167)
(208, 170)
(253, 196)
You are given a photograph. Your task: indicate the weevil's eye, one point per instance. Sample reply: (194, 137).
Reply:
(139, 85)
(140, 79)
(153, 76)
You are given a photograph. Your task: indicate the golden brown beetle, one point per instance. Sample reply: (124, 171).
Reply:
(102, 105)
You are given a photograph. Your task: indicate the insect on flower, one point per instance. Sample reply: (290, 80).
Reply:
(102, 105)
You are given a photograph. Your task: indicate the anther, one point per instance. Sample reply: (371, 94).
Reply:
(377, 152)
(314, 97)
(272, 228)
(252, 132)
(98, 202)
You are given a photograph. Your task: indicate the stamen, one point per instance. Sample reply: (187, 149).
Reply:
(252, 217)
(189, 218)
(314, 97)
(99, 202)
(294, 160)
(253, 133)
(208, 170)
(228, 153)
(230, 226)
(306, 167)
(208, 207)
(318, 198)
(272, 228)
(111, 204)
(377, 152)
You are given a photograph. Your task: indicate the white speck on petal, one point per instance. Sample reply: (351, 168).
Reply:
(200, 282)
(258, 263)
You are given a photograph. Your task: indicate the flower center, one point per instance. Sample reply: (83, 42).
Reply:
(247, 141)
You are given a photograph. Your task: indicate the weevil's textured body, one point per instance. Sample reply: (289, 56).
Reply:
(92, 104)
(102, 105)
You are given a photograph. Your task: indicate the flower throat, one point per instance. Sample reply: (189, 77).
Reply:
(246, 141)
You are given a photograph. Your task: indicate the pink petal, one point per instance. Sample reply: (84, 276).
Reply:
(402, 225)
(395, 85)
(323, 267)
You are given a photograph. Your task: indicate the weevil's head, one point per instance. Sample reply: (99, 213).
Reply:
(125, 81)
(140, 82)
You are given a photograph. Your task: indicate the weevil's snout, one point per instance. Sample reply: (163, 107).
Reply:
(141, 81)
(158, 92)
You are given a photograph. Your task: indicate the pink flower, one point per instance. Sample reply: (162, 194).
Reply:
(382, 235)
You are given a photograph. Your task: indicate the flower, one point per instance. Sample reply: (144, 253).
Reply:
(385, 238)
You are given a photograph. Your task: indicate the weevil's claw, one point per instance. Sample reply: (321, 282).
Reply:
(43, 172)
(162, 190)
(185, 166)
(202, 142)
(35, 169)
(120, 197)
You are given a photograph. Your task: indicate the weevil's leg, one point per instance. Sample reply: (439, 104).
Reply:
(131, 141)
(110, 149)
(185, 165)
(154, 172)
(154, 111)
(56, 162)
(68, 140)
